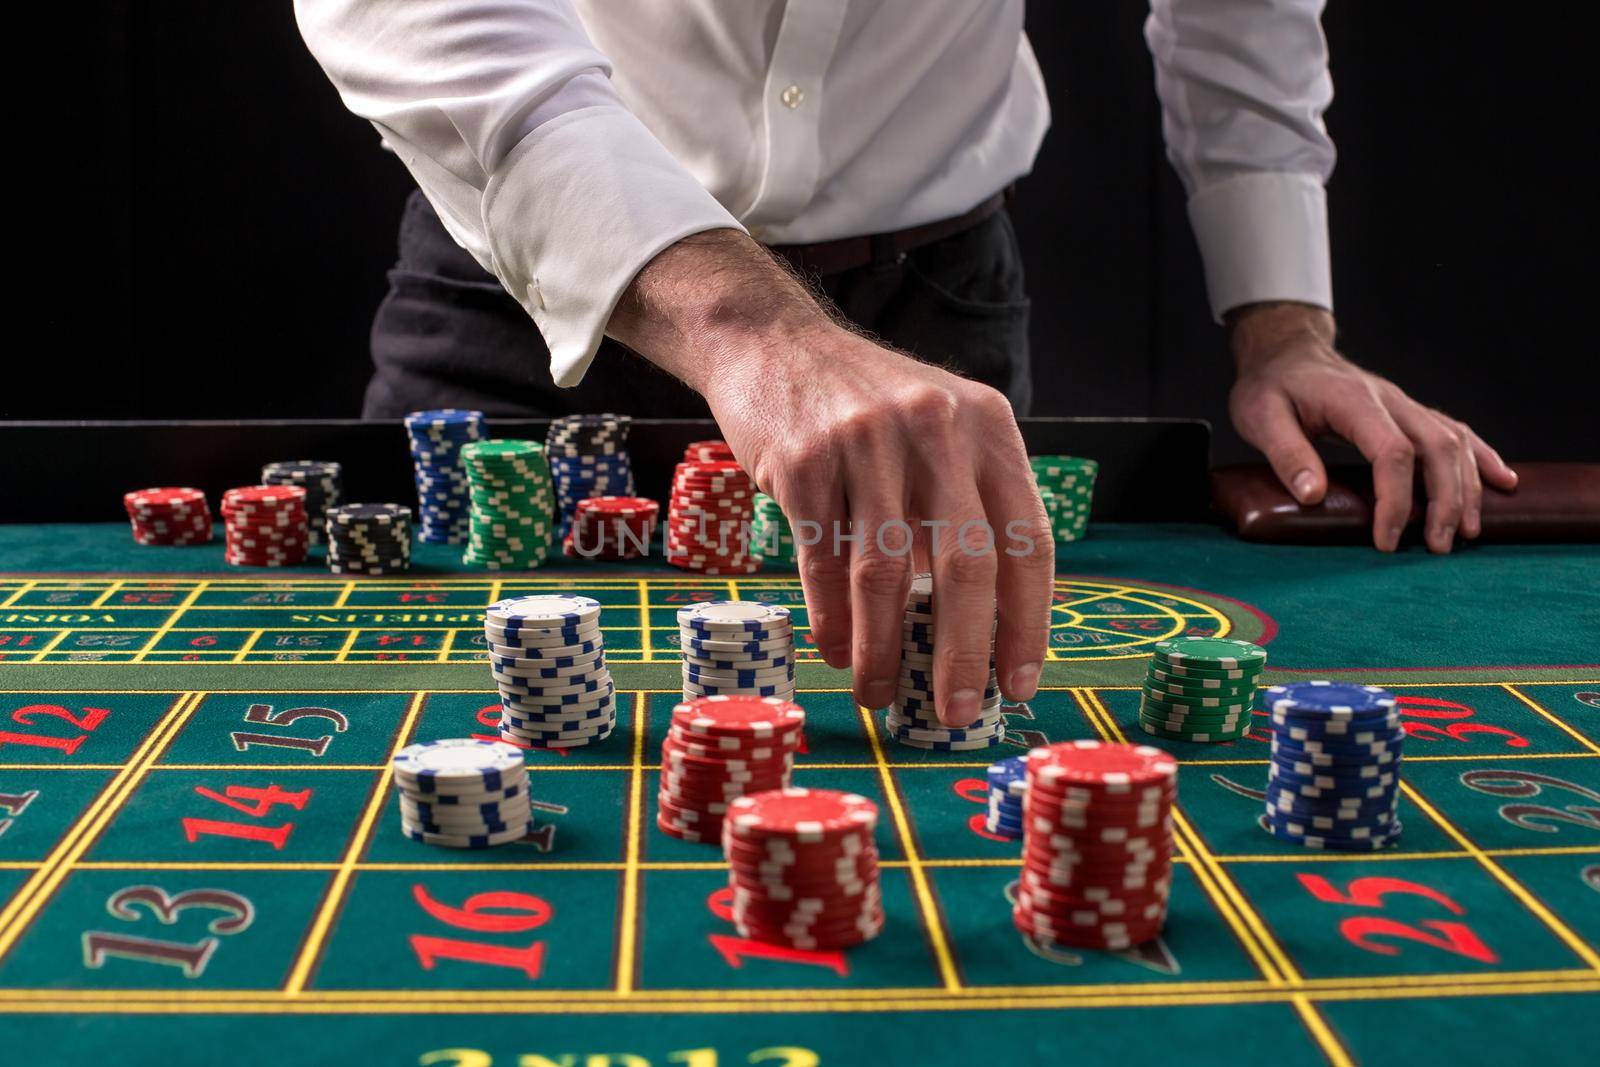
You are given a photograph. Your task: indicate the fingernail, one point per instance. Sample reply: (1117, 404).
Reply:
(1447, 534)
(880, 693)
(962, 707)
(1394, 536)
(838, 658)
(1023, 682)
(1304, 484)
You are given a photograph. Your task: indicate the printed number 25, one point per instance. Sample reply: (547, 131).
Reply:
(1360, 930)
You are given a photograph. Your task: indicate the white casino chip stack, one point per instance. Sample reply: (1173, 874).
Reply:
(912, 719)
(736, 648)
(463, 793)
(548, 660)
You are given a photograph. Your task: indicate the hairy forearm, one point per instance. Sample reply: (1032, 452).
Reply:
(712, 299)
(1255, 331)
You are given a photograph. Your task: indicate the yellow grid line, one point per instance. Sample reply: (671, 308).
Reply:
(100, 601)
(445, 647)
(17, 593)
(645, 643)
(627, 932)
(36, 892)
(1310, 1016)
(1499, 873)
(50, 646)
(1575, 735)
(334, 900)
(249, 644)
(343, 598)
(166, 628)
(932, 919)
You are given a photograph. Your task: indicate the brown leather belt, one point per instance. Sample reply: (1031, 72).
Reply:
(848, 253)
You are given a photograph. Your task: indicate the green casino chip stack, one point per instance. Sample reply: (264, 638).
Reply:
(1066, 484)
(1200, 689)
(773, 540)
(513, 504)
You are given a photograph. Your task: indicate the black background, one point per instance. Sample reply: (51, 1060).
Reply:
(201, 230)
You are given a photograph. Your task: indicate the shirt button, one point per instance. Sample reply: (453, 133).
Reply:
(793, 97)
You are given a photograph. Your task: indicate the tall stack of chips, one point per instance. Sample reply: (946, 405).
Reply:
(611, 528)
(773, 540)
(548, 659)
(588, 457)
(437, 438)
(1200, 688)
(736, 648)
(707, 452)
(912, 719)
(169, 516)
(1008, 784)
(1097, 844)
(708, 519)
(265, 525)
(513, 506)
(719, 749)
(369, 539)
(1066, 484)
(1334, 779)
(803, 868)
(322, 483)
(462, 793)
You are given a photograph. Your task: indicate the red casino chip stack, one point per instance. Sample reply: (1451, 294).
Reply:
(611, 528)
(172, 516)
(1097, 844)
(719, 748)
(708, 452)
(804, 868)
(266, 525)
(708, 518)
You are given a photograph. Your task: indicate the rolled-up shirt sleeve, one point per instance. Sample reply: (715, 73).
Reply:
(504, 113)
(1243, 87)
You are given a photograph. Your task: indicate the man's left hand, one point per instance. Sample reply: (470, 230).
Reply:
(1293, 385)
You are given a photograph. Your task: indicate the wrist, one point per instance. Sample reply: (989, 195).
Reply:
(1256, 332)
(712, 303)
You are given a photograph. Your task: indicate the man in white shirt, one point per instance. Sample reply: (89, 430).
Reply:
(616, 166)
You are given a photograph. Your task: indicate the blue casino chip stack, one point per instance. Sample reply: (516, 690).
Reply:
(549, 663)
(1008, 784)
(588, 457)
(1334, 780)
(443, 497)
(912, 719)
(462, 793)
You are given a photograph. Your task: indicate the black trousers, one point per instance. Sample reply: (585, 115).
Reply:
(447, 334)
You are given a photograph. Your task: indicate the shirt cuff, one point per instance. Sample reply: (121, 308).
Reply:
(1263, 237)
(575, 211)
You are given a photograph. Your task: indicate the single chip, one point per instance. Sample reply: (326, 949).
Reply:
(1216, 652)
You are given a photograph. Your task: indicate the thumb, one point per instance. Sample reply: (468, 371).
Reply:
(1268, 420)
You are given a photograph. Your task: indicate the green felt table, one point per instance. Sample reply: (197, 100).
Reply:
(138, 684)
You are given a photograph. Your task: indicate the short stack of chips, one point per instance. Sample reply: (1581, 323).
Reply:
(437, 438)
(265, 525)
(912, 719)
(369, 539)
(588, 456)
(1008, 784)
(773, 539)
(513, 505)
(548, 660)
(1097, 844)
(708, 452)
(168, 516)
(708, 519)
(1334, 780)
(321, 481)
(611, 528)
(1066, 484)
(736, 648)
(803, 868)
(1200, 689)
(719, 749)
(462, 793)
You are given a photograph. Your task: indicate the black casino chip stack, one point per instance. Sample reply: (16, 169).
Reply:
(323, 483)
(369, 539)
(588, 456)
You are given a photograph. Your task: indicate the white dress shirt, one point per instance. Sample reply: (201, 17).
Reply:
(565, 143)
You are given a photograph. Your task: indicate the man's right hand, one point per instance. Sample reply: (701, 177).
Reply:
(857, 438)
